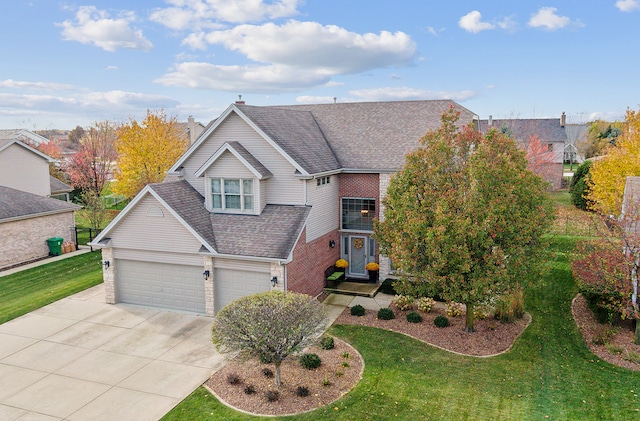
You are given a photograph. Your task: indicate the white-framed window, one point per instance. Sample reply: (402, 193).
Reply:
(232, 194)
(323, 180)
(357, 214)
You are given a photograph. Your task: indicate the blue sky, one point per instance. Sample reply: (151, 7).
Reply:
(67, 63)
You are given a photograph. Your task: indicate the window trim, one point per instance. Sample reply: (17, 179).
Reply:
(241, 194)
(342, 214)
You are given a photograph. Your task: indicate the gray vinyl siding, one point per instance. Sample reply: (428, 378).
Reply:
(142, 231)
(283, 188)
(228, 166)
(159, 257)
(23, 170)
(325, 208)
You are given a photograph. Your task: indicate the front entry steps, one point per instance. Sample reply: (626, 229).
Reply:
(354, 288)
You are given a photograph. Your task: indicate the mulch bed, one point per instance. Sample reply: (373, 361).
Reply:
(490, 338)
(620, 342)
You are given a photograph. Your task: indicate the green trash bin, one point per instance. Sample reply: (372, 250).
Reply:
(55, 246)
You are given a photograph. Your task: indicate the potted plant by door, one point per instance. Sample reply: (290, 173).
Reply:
(374, 270)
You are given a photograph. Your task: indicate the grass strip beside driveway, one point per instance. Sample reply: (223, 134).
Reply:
(548, 374)
(33, 288)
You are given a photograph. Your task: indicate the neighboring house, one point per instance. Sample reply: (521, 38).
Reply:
(576, 134)
(27, 220)
(550, 131)
(27, 215)
(266, 198)
(24, 136)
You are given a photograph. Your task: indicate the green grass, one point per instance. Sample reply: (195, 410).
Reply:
(550, 372)
(31, 289)
(561, 198)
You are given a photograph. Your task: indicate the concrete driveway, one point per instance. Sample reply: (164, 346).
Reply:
(82, 359)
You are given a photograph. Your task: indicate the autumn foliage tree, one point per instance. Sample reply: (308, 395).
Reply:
(464, 217)
(270, 326)
(147, 150)
(608, 174)
(91, 167)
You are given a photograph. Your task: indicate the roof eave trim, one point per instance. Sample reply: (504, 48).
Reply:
(246, 258)
(37, 215)
(224, 148)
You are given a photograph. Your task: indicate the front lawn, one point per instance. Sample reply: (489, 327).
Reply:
(549, 374)
(31, 289)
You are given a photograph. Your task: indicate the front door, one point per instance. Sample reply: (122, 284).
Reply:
(357, 255)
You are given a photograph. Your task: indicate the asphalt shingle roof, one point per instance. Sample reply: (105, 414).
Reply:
(272, 234)
(16, 204)
(547, 129)
(58, 186)
(375, 135)
(252, 160)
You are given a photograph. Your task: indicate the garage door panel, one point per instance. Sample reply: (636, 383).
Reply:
(232, 284)
(177, 287)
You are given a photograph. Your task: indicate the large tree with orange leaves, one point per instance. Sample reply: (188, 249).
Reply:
(465, 216)
(147, 150)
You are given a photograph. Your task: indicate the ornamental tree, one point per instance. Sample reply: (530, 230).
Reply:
(608, 175)
(271, 326)
(464, 217)
(146, 151)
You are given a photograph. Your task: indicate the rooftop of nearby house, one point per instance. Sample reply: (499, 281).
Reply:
(351, 136)
(547, 129)
(16, 204)
(22, 135)
(58, 187)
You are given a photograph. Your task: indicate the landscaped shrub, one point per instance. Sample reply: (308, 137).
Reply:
(273, 395)
(267, 372)
(327, 343)
(233, 378)
(414, 317)
(425, 304)
(302, 391)
(357, 310)
(326, 382)
(510, 307)
(481, 312)
(403, 302)
(249, 389)
(385, 314)
(454, 309)
(441, 321)
(387, 287)
(310, 361)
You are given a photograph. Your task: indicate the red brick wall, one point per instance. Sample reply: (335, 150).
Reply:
(360, 185)
(305, 274)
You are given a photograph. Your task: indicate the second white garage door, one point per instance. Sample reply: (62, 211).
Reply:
(177, 287)
(232, 284)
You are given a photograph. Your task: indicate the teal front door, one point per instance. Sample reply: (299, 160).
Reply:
(357, 256)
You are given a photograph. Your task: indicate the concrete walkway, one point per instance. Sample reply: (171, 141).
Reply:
(82, 359)
(336, 303)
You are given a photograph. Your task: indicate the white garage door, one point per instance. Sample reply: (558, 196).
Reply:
(232, 284)
(177, 287)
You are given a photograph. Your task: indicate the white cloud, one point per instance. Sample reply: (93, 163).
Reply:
(406, 93)
(628, 5)
(472, 22)
(310, 45)
(199, 14)
(606, 116)
(49, 86)
(93, 26)
(508, 24)
(547, 18)
(290, 57)
(254, 78)
(308, 99)
(111, 68)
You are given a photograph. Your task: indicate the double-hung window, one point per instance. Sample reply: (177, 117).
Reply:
(232, 194)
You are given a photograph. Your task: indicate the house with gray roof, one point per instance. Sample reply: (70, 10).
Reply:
(552, 135)
(268, 197)
(28, 213)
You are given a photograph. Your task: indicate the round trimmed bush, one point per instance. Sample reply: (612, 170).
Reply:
(387, 287)
(310, 361)
(302, 391)
(385, 314)
(327, 343)
(441, 321)
(357, 310)
(414, 317)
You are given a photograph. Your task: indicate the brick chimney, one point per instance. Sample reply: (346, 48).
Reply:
(563, 119)
(240, 101)
(490, 121)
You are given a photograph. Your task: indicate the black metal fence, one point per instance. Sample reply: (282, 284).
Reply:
(86, 235)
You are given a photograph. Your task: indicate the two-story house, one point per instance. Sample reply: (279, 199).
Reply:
(28, 214)
(266, 198)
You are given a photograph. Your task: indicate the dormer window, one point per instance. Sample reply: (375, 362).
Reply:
(232, 194)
